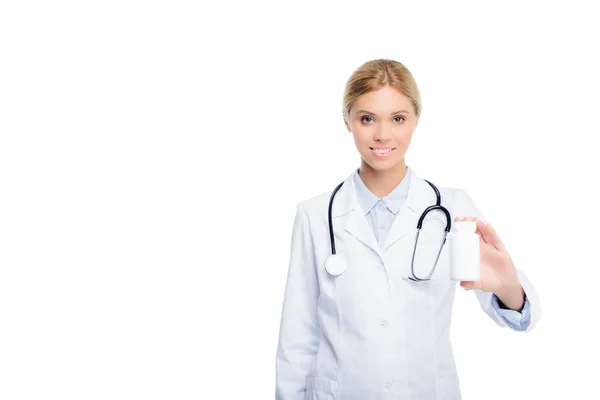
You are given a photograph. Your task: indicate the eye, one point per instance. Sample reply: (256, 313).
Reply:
(399, 117)
(363, 118)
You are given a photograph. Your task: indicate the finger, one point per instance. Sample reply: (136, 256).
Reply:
(464, 218)
(470, 285)
(494, 238)
(480, 229)
(489, 234)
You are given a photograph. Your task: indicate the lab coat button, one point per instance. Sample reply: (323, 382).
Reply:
(387, 385)
(384, 323)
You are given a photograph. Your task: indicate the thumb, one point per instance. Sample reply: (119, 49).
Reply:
(469, 285)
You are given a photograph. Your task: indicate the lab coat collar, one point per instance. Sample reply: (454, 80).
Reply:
(367, 199)
(420, 196)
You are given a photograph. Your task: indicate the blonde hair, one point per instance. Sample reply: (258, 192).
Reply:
(374, 75)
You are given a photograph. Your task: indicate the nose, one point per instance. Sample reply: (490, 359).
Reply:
(382, 134)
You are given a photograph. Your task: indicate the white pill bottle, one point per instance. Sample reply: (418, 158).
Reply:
(464, 252)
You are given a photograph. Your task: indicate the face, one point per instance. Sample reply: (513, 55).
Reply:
(382, 123)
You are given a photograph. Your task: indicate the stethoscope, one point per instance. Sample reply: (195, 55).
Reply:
(336, 264)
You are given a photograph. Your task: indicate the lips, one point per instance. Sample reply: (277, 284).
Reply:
(382, 152)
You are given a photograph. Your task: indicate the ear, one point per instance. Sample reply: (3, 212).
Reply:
(347, 126)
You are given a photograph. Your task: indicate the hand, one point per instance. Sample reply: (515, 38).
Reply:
(498, 274)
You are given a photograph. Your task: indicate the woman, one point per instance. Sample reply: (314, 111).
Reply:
(370, 332)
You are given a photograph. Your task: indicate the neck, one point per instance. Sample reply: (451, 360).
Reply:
(382, 183)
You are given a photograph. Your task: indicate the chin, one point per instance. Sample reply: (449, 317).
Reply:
(380, 165)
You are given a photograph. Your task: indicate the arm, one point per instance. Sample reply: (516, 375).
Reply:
(523, 320)
(519, 319)
(501, 283)
(299, 330)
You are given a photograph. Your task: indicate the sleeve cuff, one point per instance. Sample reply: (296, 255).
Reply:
(517, 320)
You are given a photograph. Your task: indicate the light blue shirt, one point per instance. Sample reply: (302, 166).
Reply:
(380, 213)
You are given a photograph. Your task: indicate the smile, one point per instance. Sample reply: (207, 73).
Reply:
(382, 153)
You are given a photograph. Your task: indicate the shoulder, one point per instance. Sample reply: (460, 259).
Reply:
(460, 202)
(316, 203)
(451, 196)
(454, 195)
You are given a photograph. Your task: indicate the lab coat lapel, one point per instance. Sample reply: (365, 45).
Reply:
(420, 196)
(354, 220)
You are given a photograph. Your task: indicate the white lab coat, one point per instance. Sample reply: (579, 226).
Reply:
(370, 333)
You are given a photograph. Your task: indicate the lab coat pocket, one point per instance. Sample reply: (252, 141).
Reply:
(320, 389)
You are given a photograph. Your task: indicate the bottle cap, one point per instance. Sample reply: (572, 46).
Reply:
(465, 226)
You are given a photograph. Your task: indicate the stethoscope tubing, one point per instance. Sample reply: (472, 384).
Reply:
(437, 206)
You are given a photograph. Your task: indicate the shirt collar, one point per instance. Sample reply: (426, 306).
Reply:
(367, 200)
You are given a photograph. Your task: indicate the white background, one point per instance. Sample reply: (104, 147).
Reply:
(152, 155)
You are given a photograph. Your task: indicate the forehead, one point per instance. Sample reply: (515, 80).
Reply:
(383, 101)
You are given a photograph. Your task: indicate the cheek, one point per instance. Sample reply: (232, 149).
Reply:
(361, 136)
(404, 134)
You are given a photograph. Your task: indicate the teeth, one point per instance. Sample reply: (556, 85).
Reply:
(382, 151)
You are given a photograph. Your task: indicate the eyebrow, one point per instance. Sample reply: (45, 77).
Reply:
(394, 113)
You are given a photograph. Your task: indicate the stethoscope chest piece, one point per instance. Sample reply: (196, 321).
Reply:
(335, 264)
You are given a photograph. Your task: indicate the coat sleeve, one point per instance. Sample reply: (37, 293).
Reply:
(299, 330)
(522, 322)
